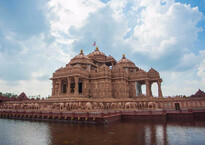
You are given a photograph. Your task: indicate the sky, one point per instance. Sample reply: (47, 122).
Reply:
(38, 37)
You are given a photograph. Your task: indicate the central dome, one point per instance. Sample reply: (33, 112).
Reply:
(81, 59)
(97, 55)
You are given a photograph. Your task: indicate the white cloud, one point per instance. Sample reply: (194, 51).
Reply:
(29, 68)
(164, 29)
(156, 28)
(65, 14)
(191, 60)
(185, 82)
(201, 71)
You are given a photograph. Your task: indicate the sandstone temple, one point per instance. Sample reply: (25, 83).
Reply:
(99, 76)
(96, 88)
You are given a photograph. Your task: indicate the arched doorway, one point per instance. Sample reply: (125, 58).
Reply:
(177, 106)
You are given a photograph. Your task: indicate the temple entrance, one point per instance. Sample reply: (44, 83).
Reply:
(80, 87)
(177, 106)
(64, 88)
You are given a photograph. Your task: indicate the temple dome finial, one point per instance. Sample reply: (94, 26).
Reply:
(81, 51)
(96, 47)
(123, 56)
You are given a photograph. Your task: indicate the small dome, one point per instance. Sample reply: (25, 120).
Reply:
(142, 74)
(104, 67)
(81, 55)
(124, 62)
(152, 73)
(81, 59)
(110, 58)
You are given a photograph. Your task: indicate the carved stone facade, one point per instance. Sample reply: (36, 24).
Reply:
(99, 76)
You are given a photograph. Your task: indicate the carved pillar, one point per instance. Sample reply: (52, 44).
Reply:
(68, 86)
(137, 88)
(60, 87)
(140, 89)
(159, 89)
(84, 87)
(150, 88)
(147, 83)
(76, 85)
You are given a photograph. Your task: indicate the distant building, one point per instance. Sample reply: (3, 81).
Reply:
(198, 94)
(22, 96)
(99, 76)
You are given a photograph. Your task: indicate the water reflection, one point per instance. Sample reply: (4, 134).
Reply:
(119, 133)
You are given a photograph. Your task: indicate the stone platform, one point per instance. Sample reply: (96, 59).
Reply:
(104, 117)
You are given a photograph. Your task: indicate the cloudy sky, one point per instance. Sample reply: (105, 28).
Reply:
(37, 37)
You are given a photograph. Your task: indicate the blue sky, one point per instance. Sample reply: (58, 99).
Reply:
(37, 37)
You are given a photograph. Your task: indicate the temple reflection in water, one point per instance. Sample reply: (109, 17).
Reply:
(126, 133)
(119, 133)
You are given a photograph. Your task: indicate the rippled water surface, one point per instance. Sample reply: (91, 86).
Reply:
(18, 132)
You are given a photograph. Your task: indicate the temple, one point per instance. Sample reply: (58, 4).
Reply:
(96, 88)
(99, 76)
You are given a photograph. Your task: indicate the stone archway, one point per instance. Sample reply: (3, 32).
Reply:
(184, 104)
(177, 105)
(198, 105)
(188, 104)
(150, 105)
(193, 104)
(140, 105)
(158, 105)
